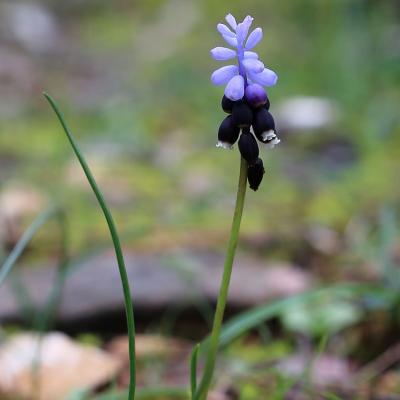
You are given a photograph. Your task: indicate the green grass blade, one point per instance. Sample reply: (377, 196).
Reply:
(251, 319)
(24, 241)
(193, 370)
(116, 242)
(22, 296)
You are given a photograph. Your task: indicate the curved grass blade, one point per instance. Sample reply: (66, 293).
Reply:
(251, 319)
(116, 243)
(24, 241)
(254, 317)
(193, 370)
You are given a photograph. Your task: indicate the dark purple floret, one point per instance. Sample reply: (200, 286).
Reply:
(255, 95)
(228, 133)
(255, 174)
(263, 124)
(248, 147)
(242, 114)
(227, 104)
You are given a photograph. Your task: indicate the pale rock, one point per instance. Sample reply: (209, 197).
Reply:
(149, 346)
(161, 280)
(325, 370)
(62, 366)
(30, 24)
(306, 113)
(17, 203)
(323, 239)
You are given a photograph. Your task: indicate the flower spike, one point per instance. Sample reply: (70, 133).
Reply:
(245, 98)
(246, 103)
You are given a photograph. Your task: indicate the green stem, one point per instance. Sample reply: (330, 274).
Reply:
(223, 291)
(117, 246)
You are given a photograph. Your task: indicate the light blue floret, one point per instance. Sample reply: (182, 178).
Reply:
(249, 68)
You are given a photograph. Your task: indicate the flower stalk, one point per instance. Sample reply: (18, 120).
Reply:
(223, 292)
(247, 104)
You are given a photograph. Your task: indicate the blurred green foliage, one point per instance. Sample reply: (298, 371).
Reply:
(133, 79)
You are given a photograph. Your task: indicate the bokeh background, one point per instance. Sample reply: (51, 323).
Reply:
(132, 78)
(133, 81)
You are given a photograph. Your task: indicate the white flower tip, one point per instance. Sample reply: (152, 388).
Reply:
(224, 145)
(268, 135)
(270, 139)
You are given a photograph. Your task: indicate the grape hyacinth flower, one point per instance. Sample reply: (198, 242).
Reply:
(245, 99)
(247, 105)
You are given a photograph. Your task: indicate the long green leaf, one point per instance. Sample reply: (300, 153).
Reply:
(251, 319)
(116, 242)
